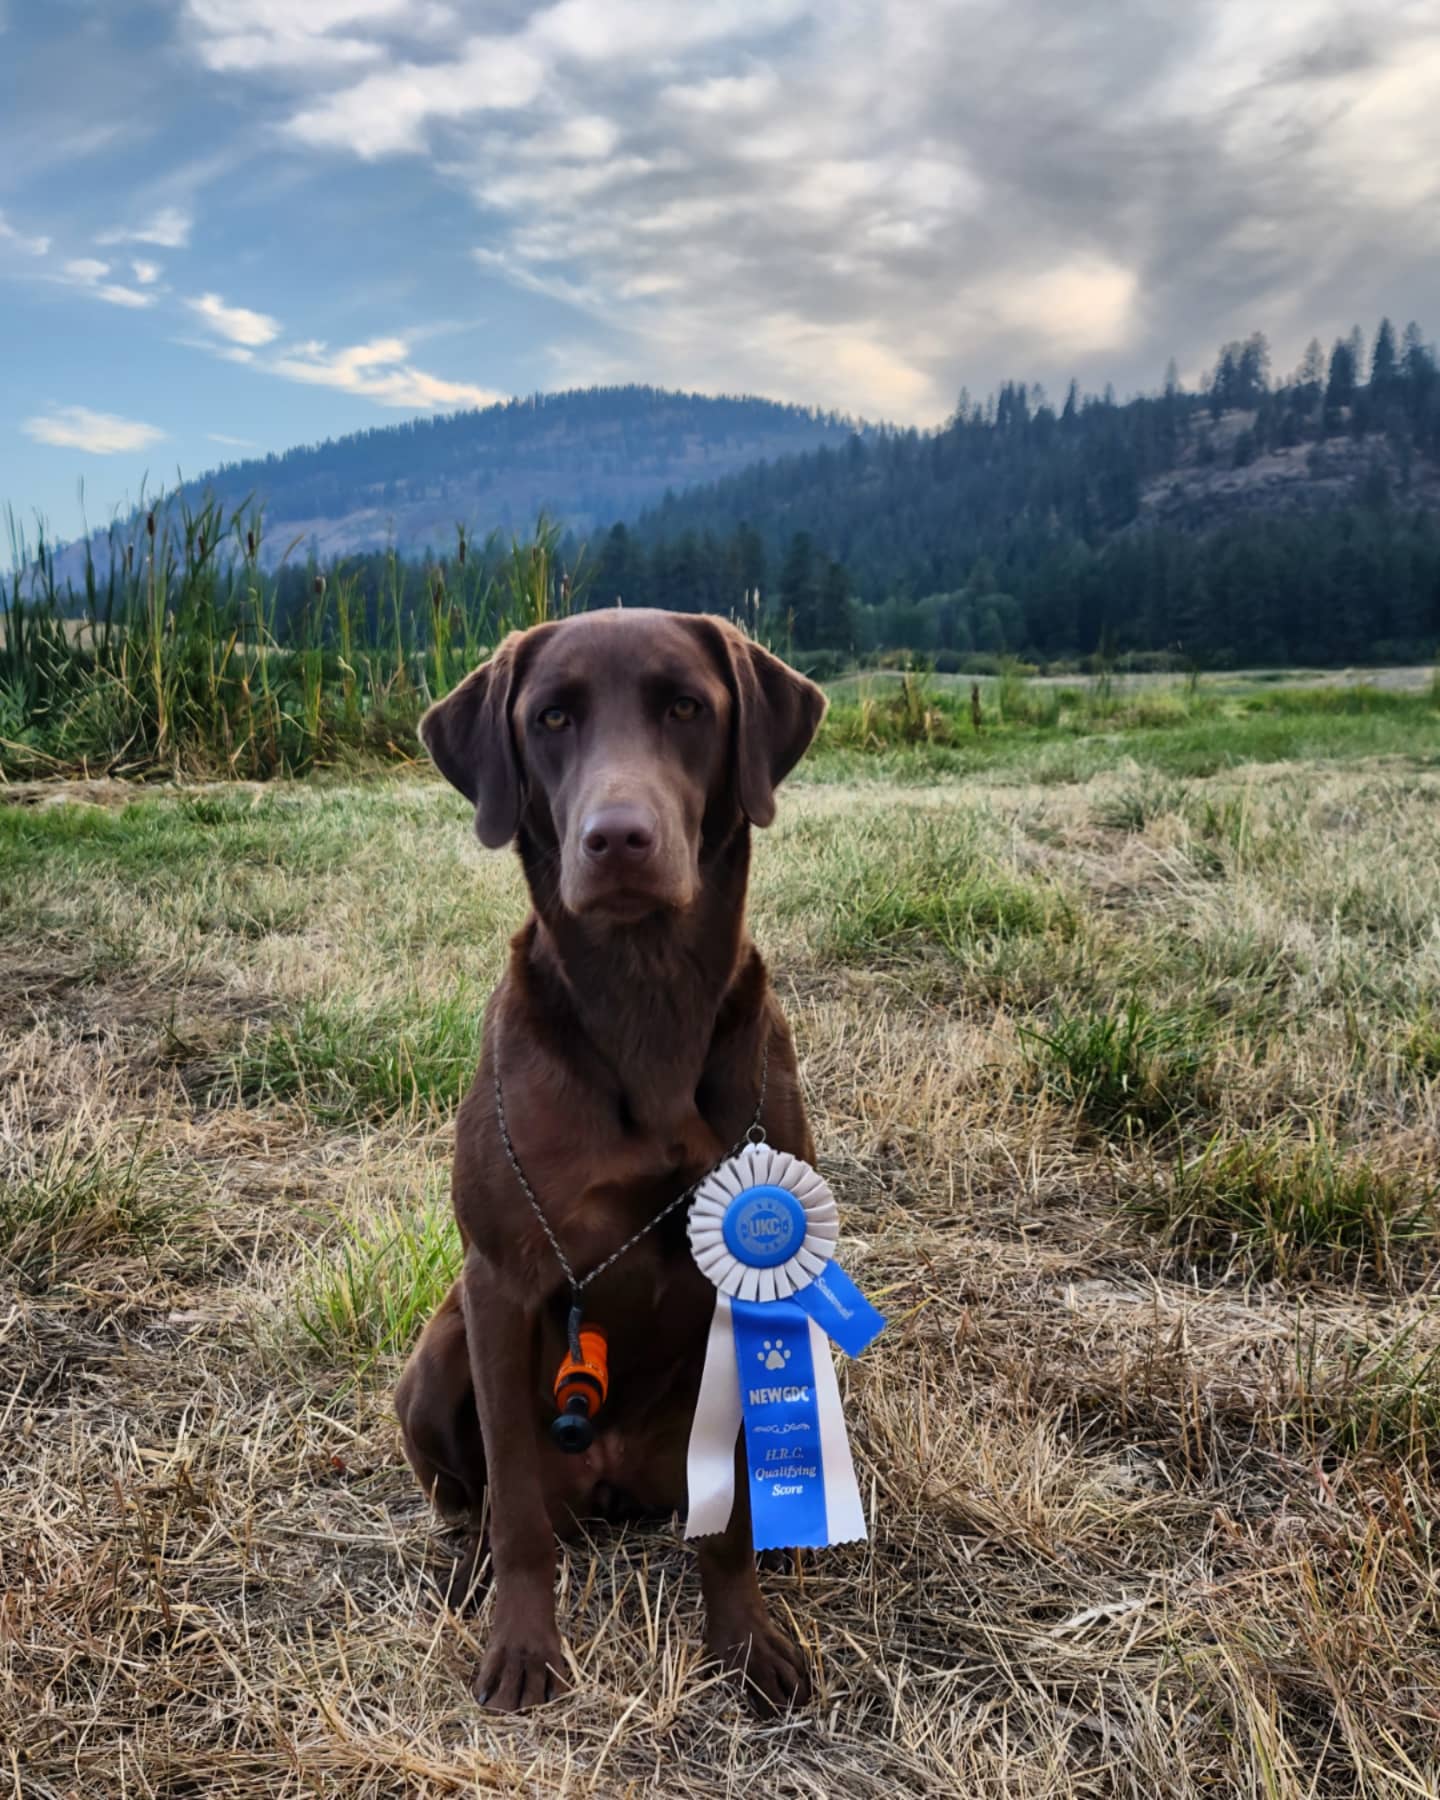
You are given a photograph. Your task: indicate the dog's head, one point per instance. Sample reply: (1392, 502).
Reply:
(620, 744)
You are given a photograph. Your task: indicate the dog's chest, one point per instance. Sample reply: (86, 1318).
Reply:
(652, 1301)
(632, 1191)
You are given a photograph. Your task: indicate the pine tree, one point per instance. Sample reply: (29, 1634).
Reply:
(616, 573)
(1340, 388)
(1310, 376)
(1417, 360)
(834, 629)
(1252, 370)
(799, 591)
(1225, 381)
(1383, 363)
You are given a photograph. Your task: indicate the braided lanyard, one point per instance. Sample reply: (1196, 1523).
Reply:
(755, 1134)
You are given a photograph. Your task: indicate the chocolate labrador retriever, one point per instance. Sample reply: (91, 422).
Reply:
(627, 754)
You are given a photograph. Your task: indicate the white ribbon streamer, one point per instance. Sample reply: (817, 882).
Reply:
(844, 1514)
(710, 1459)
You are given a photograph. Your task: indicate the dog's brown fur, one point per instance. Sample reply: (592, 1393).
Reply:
(630, 1030)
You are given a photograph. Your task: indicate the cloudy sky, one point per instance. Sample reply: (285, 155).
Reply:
(229, 224)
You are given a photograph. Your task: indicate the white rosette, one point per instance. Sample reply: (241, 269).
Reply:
(710, 1461)
(758, 1165)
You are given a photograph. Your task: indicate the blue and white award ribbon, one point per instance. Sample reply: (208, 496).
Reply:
(763, 1227)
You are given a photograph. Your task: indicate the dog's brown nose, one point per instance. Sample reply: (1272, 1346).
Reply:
(619, 834)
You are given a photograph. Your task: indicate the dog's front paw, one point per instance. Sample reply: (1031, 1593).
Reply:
(520, 1669)
(771, 1665)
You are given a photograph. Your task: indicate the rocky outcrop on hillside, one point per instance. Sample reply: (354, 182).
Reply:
(1218, 480)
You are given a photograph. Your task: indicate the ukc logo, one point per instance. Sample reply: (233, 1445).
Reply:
(764, 1226)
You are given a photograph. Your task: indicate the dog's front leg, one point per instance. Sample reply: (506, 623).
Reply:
(739, 1632)
(523, 1663)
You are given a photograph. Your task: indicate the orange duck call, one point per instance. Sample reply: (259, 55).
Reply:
(581, 1385)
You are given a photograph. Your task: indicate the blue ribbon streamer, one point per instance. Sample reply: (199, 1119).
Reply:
(782, 1425)
(840, 1310)
(779, 1407)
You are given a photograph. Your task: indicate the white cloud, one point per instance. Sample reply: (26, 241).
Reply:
(765, 226)
(115, 293)
(1086, 305)
(622, 30)
(22, 241)
(101, 434)
(586, 136)
(237, 323)
(232, 443)
(730, 95)
(387, 113)
(1387, 139)
(167, 229)
(536, 281)
(548, 184)
(299, 37)
(145, 272)
(88, 272)
(379, 370)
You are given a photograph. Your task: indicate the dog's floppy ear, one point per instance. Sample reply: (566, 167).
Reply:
(470, 742)
(777, 713)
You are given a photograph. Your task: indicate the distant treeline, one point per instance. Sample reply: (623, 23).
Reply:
(1019, 529)
(1016, 530)
(1350, 585)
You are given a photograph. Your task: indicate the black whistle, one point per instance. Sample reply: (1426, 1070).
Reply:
(573, 1429)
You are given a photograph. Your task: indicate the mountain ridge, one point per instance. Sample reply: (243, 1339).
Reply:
(584, 456)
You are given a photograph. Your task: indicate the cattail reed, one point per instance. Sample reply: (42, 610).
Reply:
(194, 657)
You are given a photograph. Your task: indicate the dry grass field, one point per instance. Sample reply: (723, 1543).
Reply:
(1128, 1081)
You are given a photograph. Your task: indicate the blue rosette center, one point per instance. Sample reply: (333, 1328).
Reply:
(764, 1226)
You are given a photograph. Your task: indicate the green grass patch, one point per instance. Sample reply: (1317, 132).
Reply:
(1180, 740)
(369, 1293)
(67, 1204)
(1420, 1048)
(909, 712)
(1353, 700)
(1124, 1070)
(348, 1060)
(178, 837)
(945, 908)
(1382, 1400)
(1284, 1208)
(893, 887)
(1138, 803)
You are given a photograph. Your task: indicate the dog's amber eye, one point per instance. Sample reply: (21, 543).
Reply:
(554, 718)
(687, 707)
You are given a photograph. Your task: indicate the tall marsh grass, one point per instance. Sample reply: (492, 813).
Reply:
(193, 650)
(176, 655)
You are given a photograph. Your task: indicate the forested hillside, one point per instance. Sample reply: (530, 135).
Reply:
(585, 457)
(1253, 521)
